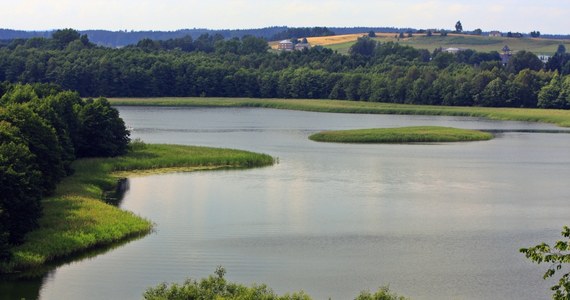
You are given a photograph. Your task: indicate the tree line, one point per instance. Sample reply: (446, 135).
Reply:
(43, 129)
(215, 67)
(302, 32)
(122, 38)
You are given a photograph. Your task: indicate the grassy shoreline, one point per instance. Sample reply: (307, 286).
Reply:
(75, 219)
(415, 134)
(552, 116)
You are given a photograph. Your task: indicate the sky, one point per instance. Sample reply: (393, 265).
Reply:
(504, 15)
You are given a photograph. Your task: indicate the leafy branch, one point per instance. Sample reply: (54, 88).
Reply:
(556, 256)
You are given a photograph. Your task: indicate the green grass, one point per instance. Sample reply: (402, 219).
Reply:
(538, 46)
(416, 134)
(558, 117)
(75, 219)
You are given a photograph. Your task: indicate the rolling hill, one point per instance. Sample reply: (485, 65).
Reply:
(539, 46)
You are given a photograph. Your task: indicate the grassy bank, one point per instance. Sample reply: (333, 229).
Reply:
(417, 134)
(75, 219)
(558, 117)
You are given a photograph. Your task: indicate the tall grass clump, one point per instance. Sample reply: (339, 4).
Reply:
(76, 219)
(415, 134)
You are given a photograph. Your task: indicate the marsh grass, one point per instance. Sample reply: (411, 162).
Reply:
(75, 219)
(553, 116)
(416, 134)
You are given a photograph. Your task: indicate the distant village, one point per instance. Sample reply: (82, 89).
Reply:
(506, 53)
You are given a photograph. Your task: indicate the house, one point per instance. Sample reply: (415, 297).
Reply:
(544, 58)
(453, 50)
(301, 46)
(286, 45)
(495, 34)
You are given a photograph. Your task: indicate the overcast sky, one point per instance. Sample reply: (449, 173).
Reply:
(506, 15)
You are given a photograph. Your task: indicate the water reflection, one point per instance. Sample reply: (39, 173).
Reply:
(434, 221)
(28, 284)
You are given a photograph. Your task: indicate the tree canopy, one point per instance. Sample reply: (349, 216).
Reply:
(212, 66)
(458, 27)
(42, 130)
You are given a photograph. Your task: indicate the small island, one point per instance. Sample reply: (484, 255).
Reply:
(414, 134)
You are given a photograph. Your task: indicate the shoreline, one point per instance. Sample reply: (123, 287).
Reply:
(557, 117)
(92, 223)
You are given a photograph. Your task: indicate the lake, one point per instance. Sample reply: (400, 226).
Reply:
(432, 221)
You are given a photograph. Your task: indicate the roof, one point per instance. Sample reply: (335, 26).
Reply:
(285, 42)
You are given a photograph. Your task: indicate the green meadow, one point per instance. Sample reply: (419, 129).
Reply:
(538, 46)
(76, 219)
(415, 134)
(553, 116)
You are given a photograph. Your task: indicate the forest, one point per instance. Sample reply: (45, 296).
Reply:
(212, 66)
(43, 129)
(123, 38)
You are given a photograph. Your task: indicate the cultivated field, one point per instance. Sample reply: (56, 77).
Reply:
(334, 39)
(539, 46)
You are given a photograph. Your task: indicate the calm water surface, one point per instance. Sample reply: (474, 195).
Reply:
(441, 221)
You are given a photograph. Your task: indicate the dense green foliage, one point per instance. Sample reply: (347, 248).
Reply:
(91, 222)
(382, 293)
(20, 181)
(416, 134)
(39, 139)
(557, 256)
(554, 116)
(216, 67)
(102, 132)
(216, 287)
(302, 32)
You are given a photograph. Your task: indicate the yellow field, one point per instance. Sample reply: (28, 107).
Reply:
(539, 46)
(334, 39)
(338, 39)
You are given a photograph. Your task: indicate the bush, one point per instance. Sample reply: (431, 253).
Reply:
(383, 293)
(216, 287)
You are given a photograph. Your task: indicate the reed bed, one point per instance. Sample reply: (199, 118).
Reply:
(416, 134)
(553, 116)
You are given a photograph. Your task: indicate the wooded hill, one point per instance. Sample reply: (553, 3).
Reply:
(211, 66)
(123, 38)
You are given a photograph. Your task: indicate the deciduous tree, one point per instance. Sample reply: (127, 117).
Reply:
(458, 27)
(101, 130)
(557, 256)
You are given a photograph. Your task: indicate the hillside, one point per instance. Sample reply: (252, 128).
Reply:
(539, 46)
(123, 38)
